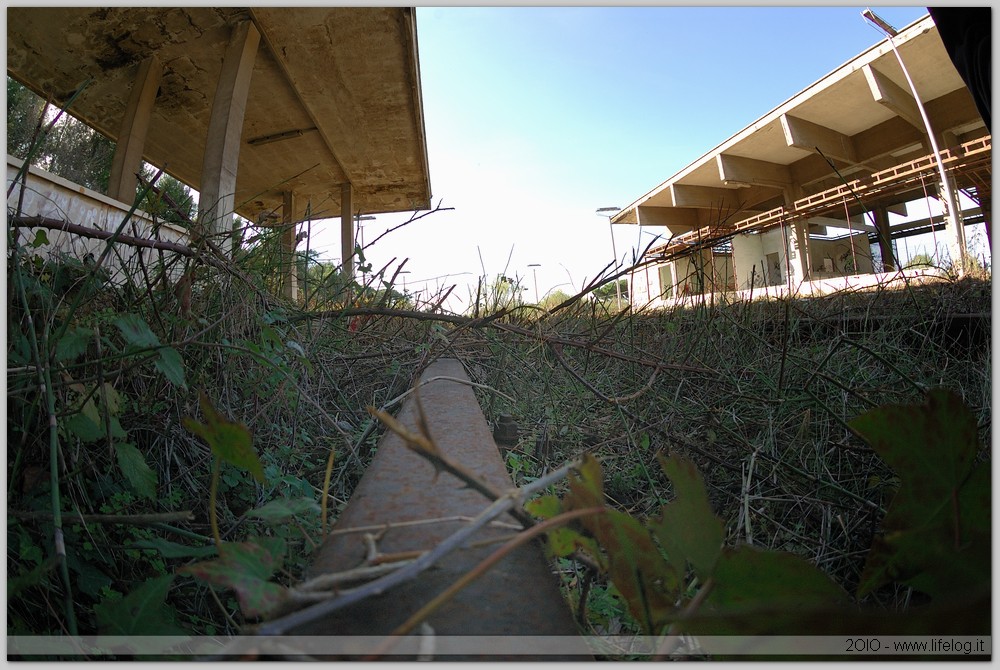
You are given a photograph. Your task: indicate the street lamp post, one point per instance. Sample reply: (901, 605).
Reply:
(361, 235)
(534, 271)
(361, 230)
(949, 198)
(610, 212)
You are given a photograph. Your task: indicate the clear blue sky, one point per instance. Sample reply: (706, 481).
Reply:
(537, 116)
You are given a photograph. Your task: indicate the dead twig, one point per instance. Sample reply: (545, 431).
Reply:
(521, 538)
(502, 505)
(130, 519)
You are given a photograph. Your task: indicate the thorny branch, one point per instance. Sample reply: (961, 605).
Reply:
(557, 352)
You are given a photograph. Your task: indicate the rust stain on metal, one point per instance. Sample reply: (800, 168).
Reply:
(518, 596)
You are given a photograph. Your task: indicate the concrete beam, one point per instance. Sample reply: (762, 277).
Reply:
(347, 230)
(222, 147)
(881, 217)
(890, 95)
(705, 197)
(131, 141)
(675, 220)
(809, 136)
(289, 280)
(741, 170)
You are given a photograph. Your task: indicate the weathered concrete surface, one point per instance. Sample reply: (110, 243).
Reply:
(518, 596)
(342, 82)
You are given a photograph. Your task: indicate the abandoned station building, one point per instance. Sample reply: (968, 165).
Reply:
(810, 197)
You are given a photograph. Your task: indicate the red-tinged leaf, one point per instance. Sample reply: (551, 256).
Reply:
(647, 582)
(229, 440)
(586, 489)
(246, 568)
(688, 529)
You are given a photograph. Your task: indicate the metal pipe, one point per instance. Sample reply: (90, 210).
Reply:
(953, 212)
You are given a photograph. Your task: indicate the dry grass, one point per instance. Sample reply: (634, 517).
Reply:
(759, 396)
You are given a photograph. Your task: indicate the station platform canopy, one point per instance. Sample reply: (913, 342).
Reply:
(856, 131)
(334, 96)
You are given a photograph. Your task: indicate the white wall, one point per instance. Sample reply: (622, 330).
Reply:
(839, 253)
(751, 251)
(53, 197)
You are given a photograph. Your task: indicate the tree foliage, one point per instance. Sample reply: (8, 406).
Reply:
(71, 149)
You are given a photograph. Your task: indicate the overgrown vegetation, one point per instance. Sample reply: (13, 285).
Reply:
(761, 398)
(188, 409)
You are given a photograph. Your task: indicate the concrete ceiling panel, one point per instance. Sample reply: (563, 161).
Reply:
(352, 73)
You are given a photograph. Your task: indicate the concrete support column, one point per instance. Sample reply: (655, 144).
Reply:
(798, 251)
(955, 228)
(797, 262)
(347, 230)
(885, 239)
(127, 161)
(289, 271)
(222, 147)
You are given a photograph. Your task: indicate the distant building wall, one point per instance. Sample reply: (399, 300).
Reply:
(833, 258)
(761, 257)
(53, 197)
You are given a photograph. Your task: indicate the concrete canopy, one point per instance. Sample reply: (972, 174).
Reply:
(334, 95)
(862, 117)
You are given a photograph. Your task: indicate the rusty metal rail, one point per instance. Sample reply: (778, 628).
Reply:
(518, 597)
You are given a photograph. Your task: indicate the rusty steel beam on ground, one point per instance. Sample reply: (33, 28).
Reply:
(519, 596)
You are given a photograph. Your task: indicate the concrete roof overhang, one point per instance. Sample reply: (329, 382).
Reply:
(862, 117)
(334, 95)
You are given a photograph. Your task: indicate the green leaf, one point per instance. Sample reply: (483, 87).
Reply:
(930, 446)
(563, 541)
(112, 398)
(544, 507)
(272, 337)
(89, 579)
(935, 535)
(747, 578)
(246, 568)
(229, 440)
(688, 529)
(41, 237)
(135, 331)
(83, 427)
(117, 431)
(144, 611)
(170, 549)
(284, 508)
(136, 471)
(171, 365)
(73, 344)
(32, 578)
(90, 410)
